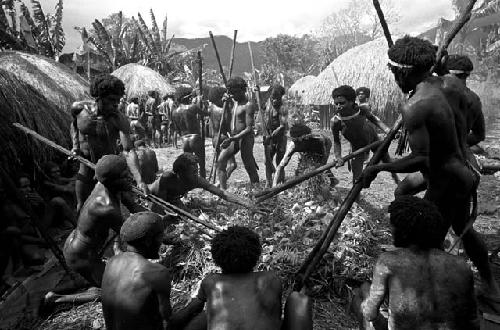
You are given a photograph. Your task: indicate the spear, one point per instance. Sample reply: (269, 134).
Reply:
(231, 60)
(152, 198)
(200, 85)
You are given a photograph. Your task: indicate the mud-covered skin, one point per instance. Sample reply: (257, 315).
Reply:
(135, 293)
(426, 289)
(276, 118)
(100, 213)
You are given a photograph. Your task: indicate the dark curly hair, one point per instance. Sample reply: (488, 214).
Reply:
(236, 250)
(183, 95)
(184, 162)
(365, 91)
(215, 95)
(460, 62)
(346, 91)
(417, 221)
(105, 84)
(236, 84)
(298, 130)
(277, 91)
(418, 52)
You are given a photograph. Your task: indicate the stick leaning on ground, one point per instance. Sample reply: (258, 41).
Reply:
(152, 198)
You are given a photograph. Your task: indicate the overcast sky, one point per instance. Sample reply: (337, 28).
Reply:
(255, 20)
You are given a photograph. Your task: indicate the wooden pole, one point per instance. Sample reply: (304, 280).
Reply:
(152, 198)
(231, 60)
(266, 194)
(201, 103)
(383, 22)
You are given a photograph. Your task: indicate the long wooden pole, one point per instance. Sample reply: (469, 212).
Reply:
(266, 194)
(152, 198)
(231, 60)
(383, 22)
(203, 171)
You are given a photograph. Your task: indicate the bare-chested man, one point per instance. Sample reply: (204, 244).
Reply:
(237, 298)
(363, 95)
(435, 149)
(215, 110)
(276, 120)
(242, 132)
(356, 125)
(135, 291)
(172, 185)
(167, 126)
(426, 287)
(96, 128)
(315, 145)
(100, 213)
(186, 119)
(148, 164)
(154, 117)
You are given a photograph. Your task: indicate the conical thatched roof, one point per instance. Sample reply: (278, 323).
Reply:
(20, 102)
(364, 65)
(53, 80)
(139, 80)
(300, 86)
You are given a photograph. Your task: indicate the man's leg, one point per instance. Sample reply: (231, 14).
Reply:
(224, 156)
(357, 166)
(193, 143)
(280, 153)
(232, 165)
(269, 152)
(359, 295)
(246, 145)
(83, 185)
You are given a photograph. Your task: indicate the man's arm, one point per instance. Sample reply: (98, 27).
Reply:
(378, 290)
(290, 150)
(283, 121)
(249, 122)
(374, 119)
(337, 147)
(204, 184)
(69, 187)
(180, 318)
(160, 280)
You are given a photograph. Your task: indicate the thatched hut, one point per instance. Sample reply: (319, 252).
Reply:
(140, 79)
(364, 65)
(300, 86)
(20, 102)
(53, 80)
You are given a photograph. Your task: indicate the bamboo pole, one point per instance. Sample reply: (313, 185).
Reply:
(231, 60)
(200, 85)
(152, 198)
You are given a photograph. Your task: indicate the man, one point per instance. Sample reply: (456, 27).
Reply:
(436, 152)
(469, 118)
(241, 132)
(186, 119)
(356, 124)
(237, 298)
(165, 110)
(154, 117)
(100, 213)
(172, 185)
(95, 130)
(276, 121)
(135, 291)
(363, 94)
(215, 111)
(314, 145)
(148, 164)
(426, 287)
(133, 109)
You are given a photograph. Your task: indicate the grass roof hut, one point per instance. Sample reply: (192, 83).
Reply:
(300, 86)
(20, 102)
(53, 80)
(364, 65)
(139, 80)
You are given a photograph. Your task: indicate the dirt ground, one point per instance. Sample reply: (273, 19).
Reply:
(330, 313)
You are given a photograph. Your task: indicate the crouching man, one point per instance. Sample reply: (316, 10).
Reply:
(426, 287)
(135, 291)
(237, 298)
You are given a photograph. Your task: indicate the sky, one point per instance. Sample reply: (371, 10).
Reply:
(255, 20)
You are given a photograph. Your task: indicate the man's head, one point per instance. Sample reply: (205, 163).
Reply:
(215, 95)
(186, 166)
(299, 129)
(236, 250)
(410, 60)
(460, 66)
(418, 222)
(108, 90)
(152, 94)
(344, 97)
(112, 172)
(277, 93)
(144, 232)
(183, 95)
(139, 144)
(24, 183)
(134, 100)
(363, 94)
(237, 88)
(52, 170)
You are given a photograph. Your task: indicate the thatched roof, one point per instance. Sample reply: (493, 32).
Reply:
(364, 65)
(300, 86)
(20, 102)
(53, 80)
(139, 80)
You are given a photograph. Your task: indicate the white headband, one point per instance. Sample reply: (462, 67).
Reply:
(399, 65)
(458, 71)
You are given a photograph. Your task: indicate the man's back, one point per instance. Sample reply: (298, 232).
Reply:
(128, 299)
(242, 301)
(429, 290)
